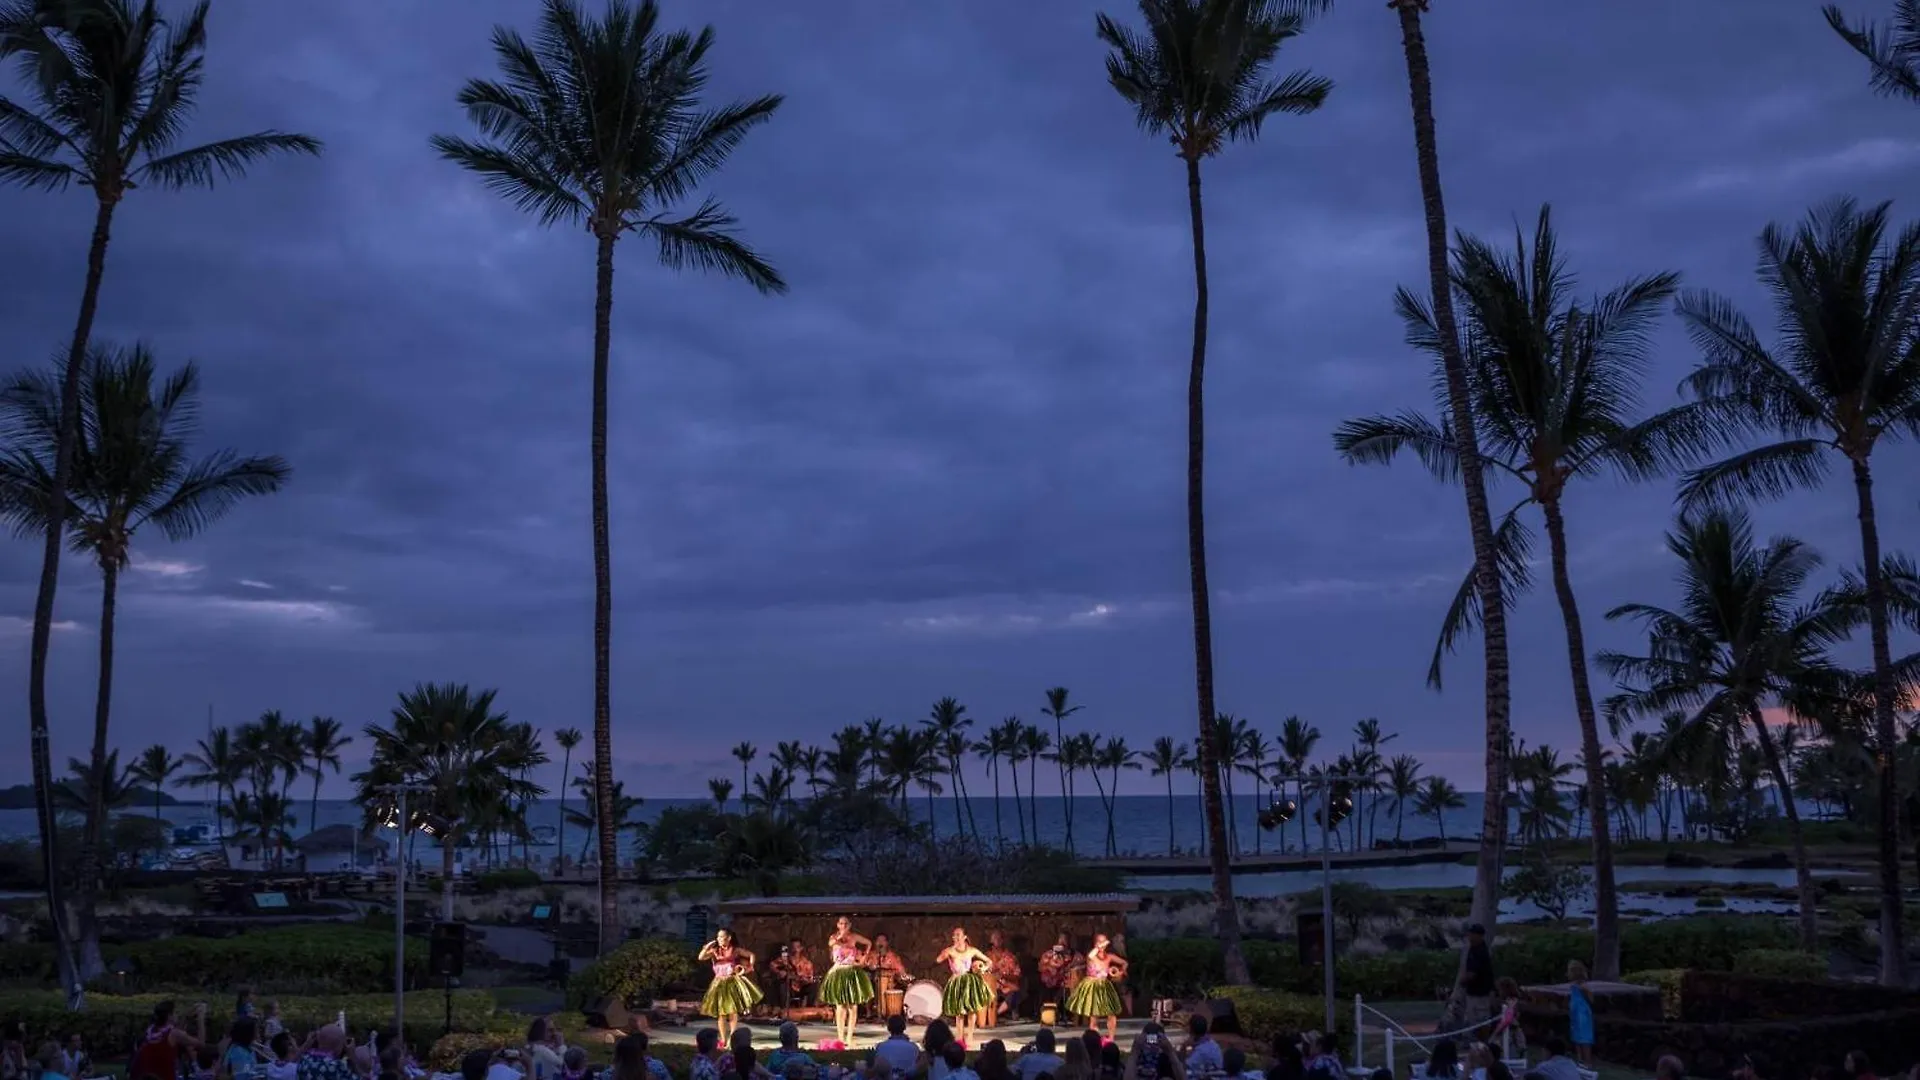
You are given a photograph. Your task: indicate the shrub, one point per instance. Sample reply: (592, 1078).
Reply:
(111, 1025)
(1781, 964)
(1667, 981)
(331, 958)
(447, 1050)
(634, 972)
(1264, 1013)
(511, 877)
(1412, 975)
(1704, 943)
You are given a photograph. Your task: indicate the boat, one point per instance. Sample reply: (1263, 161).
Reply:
(198, 834)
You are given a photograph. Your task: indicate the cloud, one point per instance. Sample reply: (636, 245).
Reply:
(252, 584)
(15, 626)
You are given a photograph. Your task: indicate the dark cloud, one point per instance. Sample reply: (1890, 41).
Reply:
(950, 461)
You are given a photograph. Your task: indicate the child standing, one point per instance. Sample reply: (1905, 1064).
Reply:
(1579, 1014)
(1507, 1034)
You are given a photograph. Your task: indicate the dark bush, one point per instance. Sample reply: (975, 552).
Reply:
(327, 958)
(111, 1025)
(511, 877)
(1265, 1013)
(1782, 964)
(634, 973)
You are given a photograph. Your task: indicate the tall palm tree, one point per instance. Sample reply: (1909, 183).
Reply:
(1115, 756)
(1892, 54)
(1058, 708)
(131, 467)
(1403, 784)
(875, 731)
(450, 739)
(948, 723)
(1437, 796)
(588, 818)
(1254, 755)
(1035, 744)
(111, 84)
(216, 764)
(998, 746)
(600, 122)
(1297, 740)
(1198, 76)
(1012, 734)
(567, 738)
(1168, 756)
(744, 752)
(1555, 382)
(156, 766)
(1842, 378)
(1741, 639)
(325, 740)
(720, 788)
(1228, 747)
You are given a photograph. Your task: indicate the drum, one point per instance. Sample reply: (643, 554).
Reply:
(1049, 1014)
(921, 1001)
(892, 1002)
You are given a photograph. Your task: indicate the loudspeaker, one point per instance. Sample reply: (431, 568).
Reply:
(1221, 1019)
(1310, 928)
(609, 1013)
(447, 949)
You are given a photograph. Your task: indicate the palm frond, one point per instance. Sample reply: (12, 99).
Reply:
(1893, 57)
(35, 173)
(1513, 556)
(526, 183)
(211, 487)
(1764, 472)
(226, 159)
(705, 240)
(1377, 440)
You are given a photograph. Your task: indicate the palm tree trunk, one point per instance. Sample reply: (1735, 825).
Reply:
(1606, 904)
(1803, 877)
(92, 962)
(1485, 908)
(71, 974)
(999, 832)
(1258, 840)
(313, 808)
(1226, 916)
(560, 834)
(1893, 954)
(446, 877)
(1019, 808)
(1033, 796)
(603, 601)
(1169, 813)
(1102, 789)
(1066, 805)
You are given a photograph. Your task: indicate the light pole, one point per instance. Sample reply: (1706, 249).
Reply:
(399, 793)
(1335, 804)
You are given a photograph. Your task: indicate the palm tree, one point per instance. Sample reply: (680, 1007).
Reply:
(1058, 708)
(324, 741)
(450, 739)
(1555, 382)
(1034, 744)
(587, 817)
(1197, 75)
(1403, 783)
(1297, 740)
(107, 784)
(1012, 734)
(1437, 796)
(1894, 57)
(948, 724)
(1253, 756)
(999, 744)
(744, 753)
(720, 788)
(156, 766)
(131, 466)
(1843, 377)
(1114, 755)
(599, 122)
(112, 84)
(215, 764)
(875, 731)
(1739, 640)
(1228, 746)
(567, 738)
(1168, 756)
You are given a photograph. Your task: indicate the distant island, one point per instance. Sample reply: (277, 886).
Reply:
(20, 797)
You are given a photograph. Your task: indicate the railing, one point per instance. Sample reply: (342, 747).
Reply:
(1397, 1034)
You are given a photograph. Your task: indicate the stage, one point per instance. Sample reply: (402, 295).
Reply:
(766, 1033)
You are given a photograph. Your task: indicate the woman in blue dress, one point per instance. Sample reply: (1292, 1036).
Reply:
(1579, 1014)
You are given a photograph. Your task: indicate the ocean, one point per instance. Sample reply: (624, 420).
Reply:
(1141, 823)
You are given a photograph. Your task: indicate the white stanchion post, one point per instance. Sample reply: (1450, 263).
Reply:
(1359, 1030)
(1392, 1071)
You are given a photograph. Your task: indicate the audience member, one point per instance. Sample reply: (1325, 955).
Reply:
(788, 1052)
(1039, 1059)
(1444, 1064)
(1202, 1053)
(991, 1063)
(896, 1052)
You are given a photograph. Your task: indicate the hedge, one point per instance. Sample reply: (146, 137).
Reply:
(1782, 964)
(329, 958)
(634, 972)
(1264, 1014)
(1185, 967)
(1667, 981)
(111, 1024)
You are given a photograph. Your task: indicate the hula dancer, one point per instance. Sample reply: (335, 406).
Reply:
(1096, 996)
(847, 985)
(967, 991)
(731, 992)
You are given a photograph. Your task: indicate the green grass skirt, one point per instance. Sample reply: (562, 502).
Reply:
(730, 996)
(965, 994)
(1094, 997)
(846, 984)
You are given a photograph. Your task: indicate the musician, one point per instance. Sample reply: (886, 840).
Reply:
(1003, 972)
(884, 962)
(794, 969)
(1056, 969)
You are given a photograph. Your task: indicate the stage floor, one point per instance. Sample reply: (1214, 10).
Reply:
(766, 1033)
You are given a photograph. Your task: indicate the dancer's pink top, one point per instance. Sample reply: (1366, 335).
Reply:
(1096, 967)
(723, 964)
(961, 963)
(844, 953)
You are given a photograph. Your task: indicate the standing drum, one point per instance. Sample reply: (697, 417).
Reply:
(922, 1001)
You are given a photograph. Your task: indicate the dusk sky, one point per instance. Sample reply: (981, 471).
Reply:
(951, 460)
